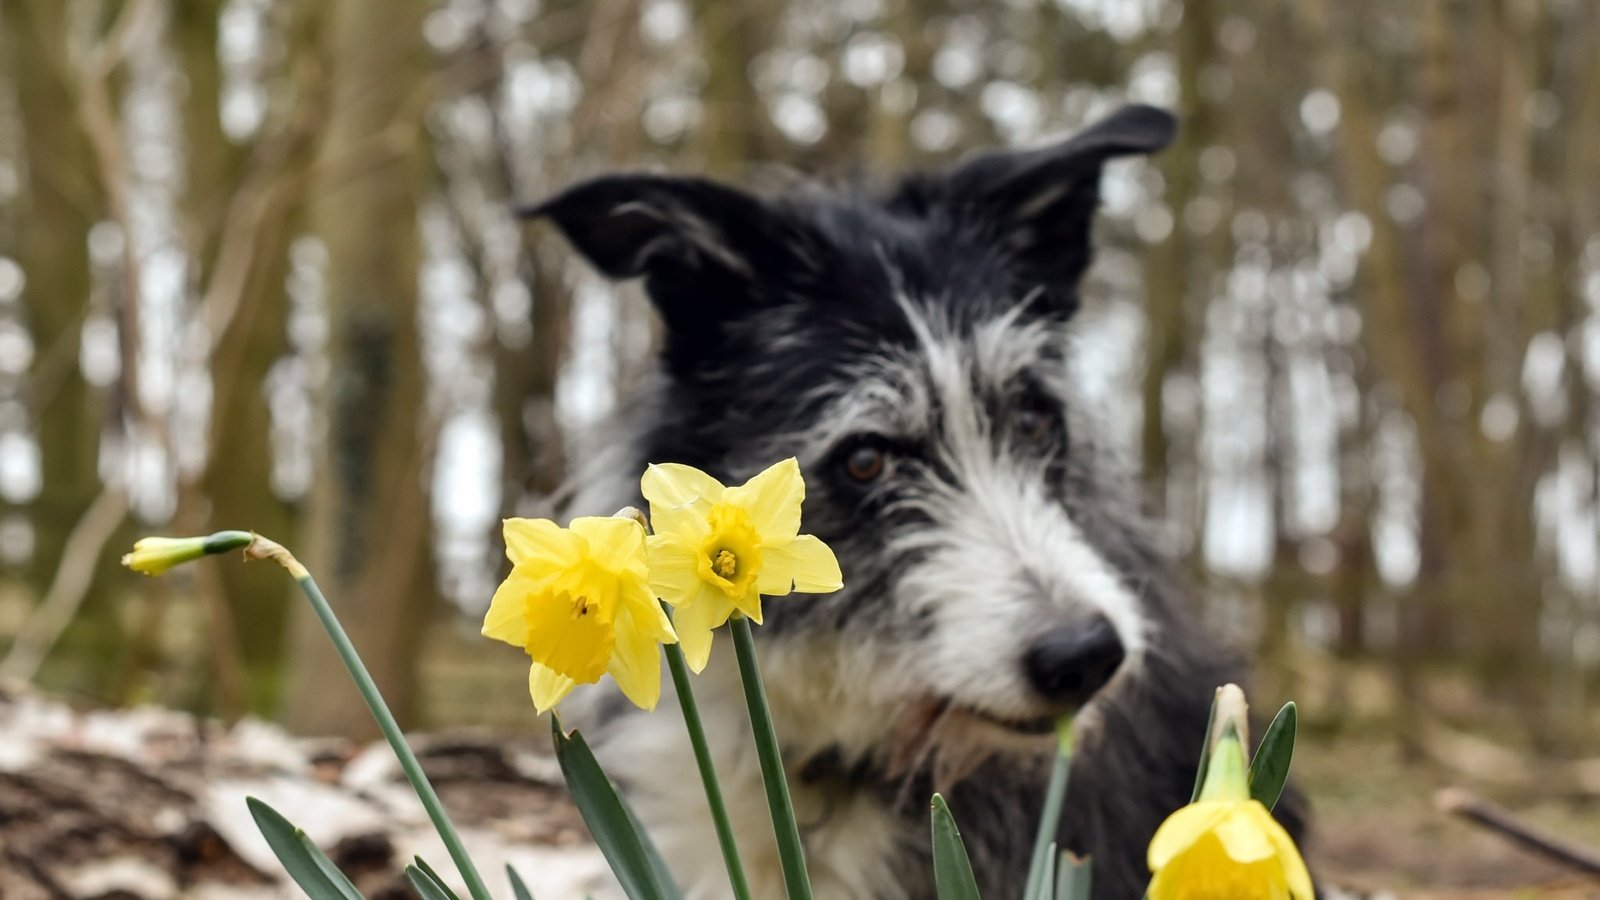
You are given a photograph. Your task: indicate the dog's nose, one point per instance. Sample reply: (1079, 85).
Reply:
(1068, 663)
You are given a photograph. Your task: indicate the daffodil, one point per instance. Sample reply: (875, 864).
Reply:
(716, 550)
(156, 555)
(1226, 846)
(578, 601)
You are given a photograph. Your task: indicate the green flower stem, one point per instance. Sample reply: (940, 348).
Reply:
(390, 729)
(1049, 821)
(708, 772)
(790, 852)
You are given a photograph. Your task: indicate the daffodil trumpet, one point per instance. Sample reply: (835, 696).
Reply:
(1226, 844)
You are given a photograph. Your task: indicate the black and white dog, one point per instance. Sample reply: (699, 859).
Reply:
(912, 350)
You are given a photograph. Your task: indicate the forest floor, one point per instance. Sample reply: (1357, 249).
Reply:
(1376, 829)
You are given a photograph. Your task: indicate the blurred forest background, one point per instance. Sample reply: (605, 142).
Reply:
(259, 268)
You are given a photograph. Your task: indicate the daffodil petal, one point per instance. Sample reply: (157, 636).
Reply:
(547, 687)
(1294, 866)
(694, 622)
(674, 568)
(1182, 829)
(636, 663)
(1170, 880)
(648, 616)
(506, 619)
(773, 499)
(540, 541)
(617, 541)
(804, 564)
(1243, 833)
(680, 497)
(749, 603)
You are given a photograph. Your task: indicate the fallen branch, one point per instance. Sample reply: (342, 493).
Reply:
(1462, 802)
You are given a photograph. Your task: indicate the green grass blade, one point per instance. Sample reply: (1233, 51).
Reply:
(1270, 768)
(427, 886)
(952, 870)
(608, 819)
(310, 869)
(1074, 876)
(519, 890)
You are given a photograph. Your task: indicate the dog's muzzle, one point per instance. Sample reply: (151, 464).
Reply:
(1068, 664)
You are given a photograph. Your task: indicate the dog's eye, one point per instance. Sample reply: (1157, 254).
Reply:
(866, 463)
(1036, 425)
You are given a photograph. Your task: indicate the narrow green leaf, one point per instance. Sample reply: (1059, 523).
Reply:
(310, 869)
(1205, 753)
(1073, 877)
(427, 887)
(518, 889)
(952, 870)
(1270, 769)
(608, 820)
(1049, 824)
(428, 870)
(1047, 876)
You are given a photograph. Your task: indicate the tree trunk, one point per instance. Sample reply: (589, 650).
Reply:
(370, 543)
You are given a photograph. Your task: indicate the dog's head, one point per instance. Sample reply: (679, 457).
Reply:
(912, 350)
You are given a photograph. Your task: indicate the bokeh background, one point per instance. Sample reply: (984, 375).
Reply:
(259, 268)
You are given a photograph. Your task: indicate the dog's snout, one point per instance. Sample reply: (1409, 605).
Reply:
(1068, 663)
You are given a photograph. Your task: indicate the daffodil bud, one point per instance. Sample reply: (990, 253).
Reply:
(155, 555)
(1230, 714)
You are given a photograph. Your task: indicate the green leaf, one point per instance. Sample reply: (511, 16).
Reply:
(1270, 769)
(1205, 753)
(1047, 876)
(428, 870)
(310, 869)
(952, 871)
(428, 887)
(1073, 877)
(1049, 825)
(608, 820)
(518, 889)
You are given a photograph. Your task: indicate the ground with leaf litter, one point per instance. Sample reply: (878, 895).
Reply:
(149, 803)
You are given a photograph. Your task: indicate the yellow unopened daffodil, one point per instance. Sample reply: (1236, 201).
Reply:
(578, 601)
(717, 549)
(156, 555)
(1225, 845)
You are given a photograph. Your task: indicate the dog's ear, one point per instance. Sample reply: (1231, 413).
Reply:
(704, 249)
(1039, 204)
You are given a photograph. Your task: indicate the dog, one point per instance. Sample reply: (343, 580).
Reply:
(911, 348)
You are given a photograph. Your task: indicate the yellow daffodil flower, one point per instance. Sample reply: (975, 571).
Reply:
(578, 601)
(717, 549)
(1226, 846)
